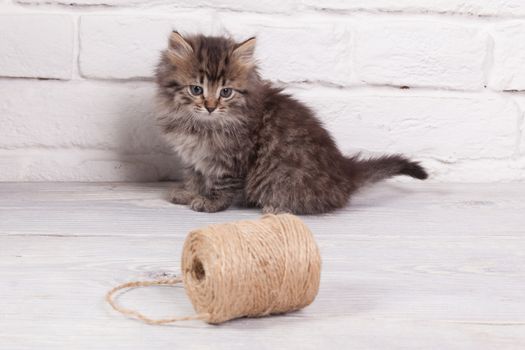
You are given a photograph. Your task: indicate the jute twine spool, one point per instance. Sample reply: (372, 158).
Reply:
(247, 268)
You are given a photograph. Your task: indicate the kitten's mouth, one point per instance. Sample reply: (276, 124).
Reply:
(205, 114)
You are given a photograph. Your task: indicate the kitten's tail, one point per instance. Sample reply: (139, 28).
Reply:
(366, 171)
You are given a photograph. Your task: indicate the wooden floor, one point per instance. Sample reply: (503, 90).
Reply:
(405, 266)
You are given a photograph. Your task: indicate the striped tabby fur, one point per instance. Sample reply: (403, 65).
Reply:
(241, 138)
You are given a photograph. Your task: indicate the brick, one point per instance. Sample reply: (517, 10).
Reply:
(509, 57)
(298, 50)
(126, 47)
(468, 7)
(263, 6)
(481, 170)
(36, 46)
(417, 53)
(77, 114)
(520, 139)
(128, 3)
(445, 127)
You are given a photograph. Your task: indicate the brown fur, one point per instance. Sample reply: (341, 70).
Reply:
(259, 145)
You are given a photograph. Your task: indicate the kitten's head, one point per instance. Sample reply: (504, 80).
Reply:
(207, 78)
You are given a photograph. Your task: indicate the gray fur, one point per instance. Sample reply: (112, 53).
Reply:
(259, 145)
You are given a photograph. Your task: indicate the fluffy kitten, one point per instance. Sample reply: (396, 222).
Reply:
(240, 137)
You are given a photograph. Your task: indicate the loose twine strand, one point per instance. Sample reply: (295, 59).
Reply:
(137, 315)
(247, 268)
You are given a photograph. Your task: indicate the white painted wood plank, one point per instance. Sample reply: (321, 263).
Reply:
(383, 194)
(405, 266)
(411, 209)
(375, 292)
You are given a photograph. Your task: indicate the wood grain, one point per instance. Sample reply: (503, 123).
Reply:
(404, 267)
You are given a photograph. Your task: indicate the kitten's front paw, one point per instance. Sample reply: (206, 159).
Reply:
(180, 196)
(207, 205)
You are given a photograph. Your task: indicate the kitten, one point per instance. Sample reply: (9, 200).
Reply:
(240, 137)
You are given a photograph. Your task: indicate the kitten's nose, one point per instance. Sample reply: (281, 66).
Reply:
(211, 108)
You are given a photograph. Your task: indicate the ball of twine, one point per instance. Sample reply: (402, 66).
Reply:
(249, 268)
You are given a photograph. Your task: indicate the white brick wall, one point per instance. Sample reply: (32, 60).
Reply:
(36, 46)
(420, 53)
(76, 90)
(127, 47)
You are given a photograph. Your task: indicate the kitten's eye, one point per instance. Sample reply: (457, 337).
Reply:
(226, 92)
(196, 90)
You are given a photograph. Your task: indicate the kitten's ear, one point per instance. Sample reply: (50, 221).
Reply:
(179, 48)
(244, 51)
